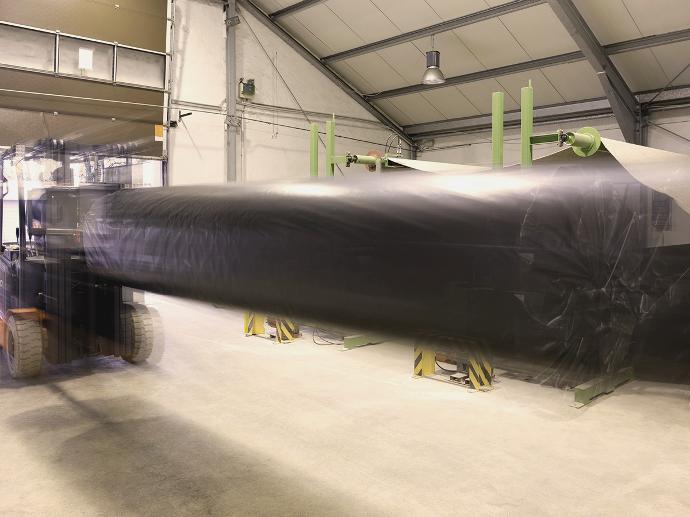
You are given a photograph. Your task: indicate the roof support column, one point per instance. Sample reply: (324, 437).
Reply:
(231, 122)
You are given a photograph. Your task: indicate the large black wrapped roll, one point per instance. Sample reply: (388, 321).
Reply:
(546, 261)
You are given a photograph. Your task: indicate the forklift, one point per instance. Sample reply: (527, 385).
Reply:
(52, 308)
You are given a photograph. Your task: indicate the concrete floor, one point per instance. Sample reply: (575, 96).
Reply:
(228, 425)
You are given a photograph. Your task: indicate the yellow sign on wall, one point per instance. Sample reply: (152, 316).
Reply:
(158, 132)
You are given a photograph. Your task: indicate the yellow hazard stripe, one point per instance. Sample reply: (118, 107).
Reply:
(473, 380)
(418, 352)
(479, 371)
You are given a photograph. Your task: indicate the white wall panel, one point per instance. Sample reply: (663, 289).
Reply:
(265, 152)
(609, 20)
(450, 102)
(539, 32)
(417, 108)
(330, 29)
(381, 75)
(673, 59)
(659, 16)
(297, 30)
(199, 52)
(390, 109)
(575, 81)
(364, 19)
(449, 9)
(353, 77)
(491, 43)
(640, 70)
(408, 16)
(408, 61)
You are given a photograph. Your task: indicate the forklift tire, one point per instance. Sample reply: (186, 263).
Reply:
(24, 350)
(137, 332)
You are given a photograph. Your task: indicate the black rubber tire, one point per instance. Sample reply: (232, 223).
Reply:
(137, 332)
(24, 347)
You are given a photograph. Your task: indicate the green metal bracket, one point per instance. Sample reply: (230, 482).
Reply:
(497, 107)
(585, 141)
(526, 124)
(545, 139)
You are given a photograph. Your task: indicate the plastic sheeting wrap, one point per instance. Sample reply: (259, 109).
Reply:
(438, 167)
(546, 264)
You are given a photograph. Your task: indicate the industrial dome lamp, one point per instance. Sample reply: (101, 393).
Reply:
(433, 74)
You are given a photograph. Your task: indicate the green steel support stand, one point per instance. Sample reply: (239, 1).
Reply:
(497, 106)
(526, 124)
(330, 147)
(314, 150)
(357, 340)
(585, 393)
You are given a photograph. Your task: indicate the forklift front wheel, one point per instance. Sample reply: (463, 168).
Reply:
(24, 350)
(137, 332)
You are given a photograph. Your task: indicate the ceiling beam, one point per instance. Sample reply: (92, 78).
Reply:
(480, 75)
(648, 41)
(623, 103)
(593, 108)
(568, 57)
(291, 9)
(479, 16)
(256, 12)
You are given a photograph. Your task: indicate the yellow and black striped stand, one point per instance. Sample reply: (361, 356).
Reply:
(480, 372)
(254, 324)
(286, 330)
(424, 361)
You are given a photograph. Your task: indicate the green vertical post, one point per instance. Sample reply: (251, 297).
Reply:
(330, 146)
(314, 150)
(497, 104)
(526, 124)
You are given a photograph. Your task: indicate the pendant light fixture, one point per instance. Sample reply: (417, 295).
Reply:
(433, 74)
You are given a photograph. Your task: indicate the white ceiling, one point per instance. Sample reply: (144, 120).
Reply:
(334, 26)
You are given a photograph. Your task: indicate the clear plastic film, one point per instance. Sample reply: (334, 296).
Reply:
(551, 265)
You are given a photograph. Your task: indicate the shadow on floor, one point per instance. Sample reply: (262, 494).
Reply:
(127, 455)
(50, 373)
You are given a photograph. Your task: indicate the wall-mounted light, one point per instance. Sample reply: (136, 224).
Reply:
(433, 74)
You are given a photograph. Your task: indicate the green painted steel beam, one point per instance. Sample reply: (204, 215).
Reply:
(526, 124)
(330, 147)
(497, 108)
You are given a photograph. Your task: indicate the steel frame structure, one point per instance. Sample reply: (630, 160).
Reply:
(627, 107)
(55, 70)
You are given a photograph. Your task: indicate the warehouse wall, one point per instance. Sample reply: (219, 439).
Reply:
(265, 150)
